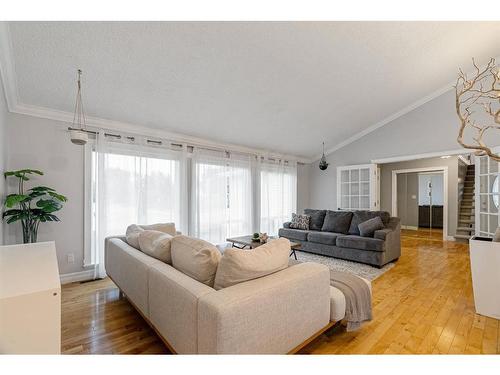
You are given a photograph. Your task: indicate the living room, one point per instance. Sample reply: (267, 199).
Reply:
(200, 186)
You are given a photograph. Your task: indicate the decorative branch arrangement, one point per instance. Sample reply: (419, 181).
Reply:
(478, 106)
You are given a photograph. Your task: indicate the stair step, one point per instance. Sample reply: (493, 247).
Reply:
(467, 206)
(465, 229)
(466, 221)
(462, 236)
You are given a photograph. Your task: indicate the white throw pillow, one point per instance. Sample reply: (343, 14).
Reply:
(237, 266)
(168, 228)
(196, 258)
(132, 233)
(156, 244)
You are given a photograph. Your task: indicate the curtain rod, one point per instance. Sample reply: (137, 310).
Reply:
(187, 145)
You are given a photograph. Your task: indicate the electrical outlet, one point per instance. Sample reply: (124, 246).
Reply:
(71, 258)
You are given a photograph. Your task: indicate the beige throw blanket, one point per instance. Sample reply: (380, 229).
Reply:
(357, 297)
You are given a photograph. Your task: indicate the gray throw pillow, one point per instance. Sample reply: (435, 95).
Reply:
(367, 228)
(300, 222)
(337, 221)
(317, 218)
(360, 216)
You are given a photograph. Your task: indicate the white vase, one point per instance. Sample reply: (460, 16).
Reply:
(485, 267)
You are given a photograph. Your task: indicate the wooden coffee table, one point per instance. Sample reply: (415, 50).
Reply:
(245, 242)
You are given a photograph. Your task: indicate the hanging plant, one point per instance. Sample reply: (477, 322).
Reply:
(33, 206)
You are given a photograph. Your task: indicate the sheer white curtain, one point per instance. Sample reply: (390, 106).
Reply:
(221, 199)
(134, 183)
(278, 193)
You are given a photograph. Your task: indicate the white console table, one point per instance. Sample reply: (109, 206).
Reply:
(30, 299)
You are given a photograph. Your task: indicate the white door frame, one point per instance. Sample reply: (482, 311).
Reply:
(444, 169)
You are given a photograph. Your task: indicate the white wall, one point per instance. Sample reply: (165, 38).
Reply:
(302, 187)
(429, 128)
(44, 144)
(3, 152)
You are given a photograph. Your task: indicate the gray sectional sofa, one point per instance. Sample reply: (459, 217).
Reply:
(336, 234)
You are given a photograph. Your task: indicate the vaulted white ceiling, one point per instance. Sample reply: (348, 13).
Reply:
(281, 86)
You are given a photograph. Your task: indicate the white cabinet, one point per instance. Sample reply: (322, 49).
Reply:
(30, 299)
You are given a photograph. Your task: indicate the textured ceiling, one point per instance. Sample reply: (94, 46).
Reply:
(281, 86)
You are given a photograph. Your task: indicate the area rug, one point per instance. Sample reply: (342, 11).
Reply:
(358, 269)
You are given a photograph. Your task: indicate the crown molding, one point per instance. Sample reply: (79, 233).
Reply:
(391, 118)
(105, 124)
(388, 120)
(9, 79)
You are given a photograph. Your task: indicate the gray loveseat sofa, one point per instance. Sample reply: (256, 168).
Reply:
(336, 234)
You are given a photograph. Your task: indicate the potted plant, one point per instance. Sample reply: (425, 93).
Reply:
(33, 206)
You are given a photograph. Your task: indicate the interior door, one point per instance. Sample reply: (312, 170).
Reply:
(487, 195)
(357, 187)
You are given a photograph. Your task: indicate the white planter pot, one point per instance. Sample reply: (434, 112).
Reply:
(485, 266)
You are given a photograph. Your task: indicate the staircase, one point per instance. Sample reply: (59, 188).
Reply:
(465, 228)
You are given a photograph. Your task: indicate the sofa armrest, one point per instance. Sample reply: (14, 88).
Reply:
(286, 224)
(392, 237)
(271, 314)
(382, 234)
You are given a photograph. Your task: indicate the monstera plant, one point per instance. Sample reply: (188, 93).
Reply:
(32, 206)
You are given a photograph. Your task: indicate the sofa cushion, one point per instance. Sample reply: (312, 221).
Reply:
(361, 243)
(132, 233)
(317, 218)
(367, 228)
(237, 266)
(360, 216)
(293, 234)
(156, 244)
(300, 221)
(337, 221)
(196, 258)
(325, 238)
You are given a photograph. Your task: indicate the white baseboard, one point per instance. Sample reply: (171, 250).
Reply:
(76, 276)
(409, 227)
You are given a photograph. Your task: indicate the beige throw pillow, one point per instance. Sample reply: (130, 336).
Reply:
(237, 266)
(132, 233)
(196, 258)
(156, 244)
(161, 227)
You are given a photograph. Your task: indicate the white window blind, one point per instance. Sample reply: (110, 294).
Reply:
(221, 196)
(278, 194)
(131, 183)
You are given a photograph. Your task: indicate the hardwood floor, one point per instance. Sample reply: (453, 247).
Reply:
(422, 305)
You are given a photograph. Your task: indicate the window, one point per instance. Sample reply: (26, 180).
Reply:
(278, 194)
(221, 195)
(356, 187)
(131, 185)
(213, 195)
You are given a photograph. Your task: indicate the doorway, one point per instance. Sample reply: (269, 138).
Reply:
(420, 198)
